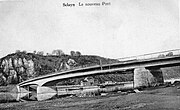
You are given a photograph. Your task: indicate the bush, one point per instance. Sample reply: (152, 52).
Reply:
(169, 54)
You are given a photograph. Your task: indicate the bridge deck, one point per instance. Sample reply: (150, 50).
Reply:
(111, 67)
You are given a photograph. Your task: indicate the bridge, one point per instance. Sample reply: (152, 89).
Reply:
(146, 69)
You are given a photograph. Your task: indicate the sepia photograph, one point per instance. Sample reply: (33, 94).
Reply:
(89, 55)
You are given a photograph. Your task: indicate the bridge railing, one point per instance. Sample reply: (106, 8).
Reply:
(152, 55)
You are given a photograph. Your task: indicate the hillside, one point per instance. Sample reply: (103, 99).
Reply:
(18, 67)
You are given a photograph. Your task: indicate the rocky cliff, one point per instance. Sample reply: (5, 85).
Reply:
(16, 68)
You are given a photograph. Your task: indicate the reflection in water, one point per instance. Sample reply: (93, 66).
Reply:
(11, 97)
(34, 93)
(7, 97)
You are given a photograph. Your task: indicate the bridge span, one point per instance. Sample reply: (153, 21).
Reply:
(148, 64)
(146, 70)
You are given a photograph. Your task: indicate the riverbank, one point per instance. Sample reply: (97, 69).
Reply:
(163, 98)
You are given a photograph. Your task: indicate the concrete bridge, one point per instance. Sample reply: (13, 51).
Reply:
(146, 69)
(142, 66)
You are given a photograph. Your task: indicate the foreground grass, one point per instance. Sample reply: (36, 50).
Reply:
(160, 99)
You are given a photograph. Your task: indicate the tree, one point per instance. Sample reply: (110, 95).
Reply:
(40, 53)
(169, 54)
(58, 52)
(78, 53)
(72, 53)
(34, 51)
(18, 51)
(54, 52)
(24, 51)
(161, 56)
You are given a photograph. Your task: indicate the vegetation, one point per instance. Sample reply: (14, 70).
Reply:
(21, 66)
(57, 52)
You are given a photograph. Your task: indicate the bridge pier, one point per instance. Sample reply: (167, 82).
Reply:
(144, 77)
(44, 93)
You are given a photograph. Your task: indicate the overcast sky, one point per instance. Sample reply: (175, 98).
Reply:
(125, 28)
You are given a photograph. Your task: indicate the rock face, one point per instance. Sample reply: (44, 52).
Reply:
(14, 70)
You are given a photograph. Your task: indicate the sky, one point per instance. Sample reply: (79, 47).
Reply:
(123, 28)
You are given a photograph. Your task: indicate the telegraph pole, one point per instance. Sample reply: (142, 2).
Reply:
(100, 64)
